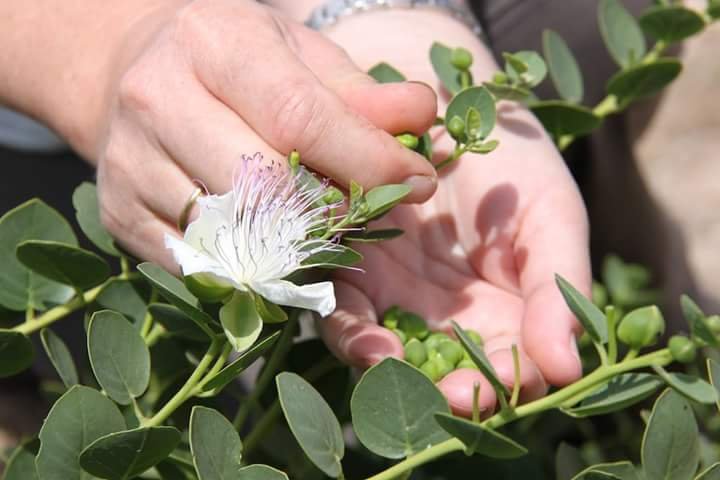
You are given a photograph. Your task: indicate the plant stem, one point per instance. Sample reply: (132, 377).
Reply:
(602, 353)
(284, 343)
(148, 321)
(459, 150)
(586, 384)
(186, 391)
(611, 314)
(516, 370)
(219, 364)
(61, 311)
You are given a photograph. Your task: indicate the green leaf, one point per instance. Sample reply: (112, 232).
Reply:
(568, 461)
(472, 124)
(370, 236)
(19, 287)
(714, 375)
(713, 9)
(261, 472)
(175, 292)
(617, 470)
(16, 353)
(643, 80)
(119, 357)
(339, 256)
(215, 445)
(241, 321)
(621, 392)
(124, 455)
(480, 439)
(671, 23)
(312, 422)
(87, 212)
(507, 92)
(671, 443)
(621, 33)
(384, 73)
(712, 473)
(449, 75)
(247, 358)
(21, 464)
(480, 359)
(483, 148)
(425, 147)
(78, 418)
(561, 118)
(591, 317)
(383, 198)
(63, 263)
(696, 319)
(391, 410)
(268, 311)
(525, 66)
(177, 323)
(481, 100)
(60, 356)
(694, 388)
(121, 296)
(564, 70)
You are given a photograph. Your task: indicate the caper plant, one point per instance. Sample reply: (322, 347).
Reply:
(160, 398)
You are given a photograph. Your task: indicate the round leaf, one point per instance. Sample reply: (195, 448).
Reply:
(621, 392)
(480, 439)
(21, 464)
(391, 410)
(241, 321)
(383, 198)
(564, 70)
(19, 287)
(714, 374)
(124, 455)
(449, 75)
(712, 473)
(78, 418)
(261, 472)
(621, 33)
(643, 80)
(384, 73)
(536, 68)
(215, 445)
(481, 100)
(63, 263)
(121, 296)
(312, 422)
(87, 212)
(480, 359)
(694, 388)
(696, 320)
(339, 256)
(671, 23)
(16, 353)
(561, 118)
(118, 355)
(507, 92)
(617, 470)
(60, 357)
(671, 444)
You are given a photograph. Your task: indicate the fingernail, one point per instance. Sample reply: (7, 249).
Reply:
(423, 186)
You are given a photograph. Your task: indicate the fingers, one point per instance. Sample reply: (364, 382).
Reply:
(352, 332)
(553, 239)
(280, 97)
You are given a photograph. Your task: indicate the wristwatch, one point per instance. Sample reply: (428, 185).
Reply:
(332, 11)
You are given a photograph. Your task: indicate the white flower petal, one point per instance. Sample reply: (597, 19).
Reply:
(216, 216)
(319, 297)
(192, 261)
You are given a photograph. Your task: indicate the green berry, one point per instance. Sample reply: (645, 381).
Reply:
(451, 351)
(430, 369)
(400, 334)
(409, 140)
(456, 127)
(500, 78)
(475, 337)
(434, 339)
(415, 352)
(599, 295)
(391, 317)
(413, 325)
(333, 195)
(713, 322)
(207, 289)
(466, 363)
(682, 349)
(444, 367)
(641, 327)
(294, 160)
(461, 58)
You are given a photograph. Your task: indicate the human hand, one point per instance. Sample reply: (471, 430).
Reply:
(483, 251)
(219, 78)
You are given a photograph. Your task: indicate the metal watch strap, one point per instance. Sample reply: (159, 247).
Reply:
(332, 10)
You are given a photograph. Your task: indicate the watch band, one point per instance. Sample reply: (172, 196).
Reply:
(332, 11)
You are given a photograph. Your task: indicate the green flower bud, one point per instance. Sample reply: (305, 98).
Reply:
(713, 322)
(207, 289)
(599, 295)
(466, 363)
(641, 327)
(400, 334)
(415, 352)
(333, 195)
(456, 127)
(391, 317)
(430, 369)
(435, 339)
(682, 349)
(451, 351)
(475, 337)
(413, 325)
(294, 160)
(409, 140)
(461, 58)
(500, 78)
(443, 366)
